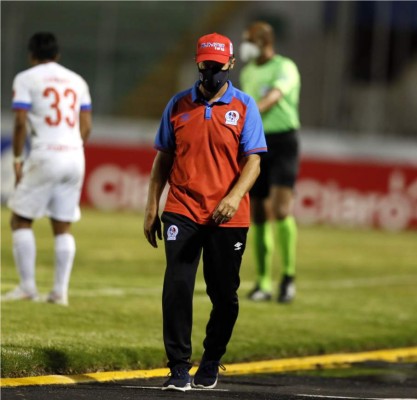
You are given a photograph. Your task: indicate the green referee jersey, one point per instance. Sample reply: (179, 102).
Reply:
(281, 73)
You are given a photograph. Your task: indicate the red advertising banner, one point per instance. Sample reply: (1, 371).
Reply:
(357, 193)
(346, 192)
(117, 176)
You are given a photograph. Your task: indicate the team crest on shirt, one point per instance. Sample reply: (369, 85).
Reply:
(172, 232)
(232, 117)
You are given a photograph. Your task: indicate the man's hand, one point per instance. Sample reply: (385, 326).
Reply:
(159, 175)
(226, 209)
(152, 227)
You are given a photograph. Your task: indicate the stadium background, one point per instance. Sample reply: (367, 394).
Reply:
(358, 62)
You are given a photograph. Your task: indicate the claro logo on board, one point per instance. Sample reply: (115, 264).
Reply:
(111, 187)
(318, 202)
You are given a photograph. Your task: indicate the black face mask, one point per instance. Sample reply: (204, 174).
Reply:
(213, 79)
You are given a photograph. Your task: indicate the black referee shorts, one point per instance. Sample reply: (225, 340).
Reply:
(279, 166)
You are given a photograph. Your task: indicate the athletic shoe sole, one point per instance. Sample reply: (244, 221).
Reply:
(177, 388)
(204, 387)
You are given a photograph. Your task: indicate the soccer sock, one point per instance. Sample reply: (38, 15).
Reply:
(64, 258)
(24, 252)
(263, 250)
(287, 239)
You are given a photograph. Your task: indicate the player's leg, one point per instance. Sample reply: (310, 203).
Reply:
(263, 248)
(28, 202)
(65, 249)
(24, 253)
(282, 200)
(63, 209)
(282, 181)
(262, 233)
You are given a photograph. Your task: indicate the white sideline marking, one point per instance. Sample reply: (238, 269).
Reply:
(160, 388)
(364, 282)
(351, 398)
(335, 284)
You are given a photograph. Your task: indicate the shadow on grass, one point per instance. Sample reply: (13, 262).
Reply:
(55, 361)
(18, 361)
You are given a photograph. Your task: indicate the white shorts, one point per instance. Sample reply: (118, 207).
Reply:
(51, 185)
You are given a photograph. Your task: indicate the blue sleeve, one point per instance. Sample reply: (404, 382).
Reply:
(253, 137)
(165, 138)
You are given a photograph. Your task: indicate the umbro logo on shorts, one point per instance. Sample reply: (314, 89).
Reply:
(238, 246)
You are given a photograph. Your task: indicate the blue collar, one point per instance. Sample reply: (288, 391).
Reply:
(226, 98)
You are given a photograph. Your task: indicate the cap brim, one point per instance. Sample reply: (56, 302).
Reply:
(212, 57)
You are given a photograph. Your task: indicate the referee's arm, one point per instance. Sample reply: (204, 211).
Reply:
(269, 100)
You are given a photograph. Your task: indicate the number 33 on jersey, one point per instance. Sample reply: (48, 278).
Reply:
(53, 96)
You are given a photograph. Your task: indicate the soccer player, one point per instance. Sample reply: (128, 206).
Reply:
(208, 144)
(274, 82)
(56, 103)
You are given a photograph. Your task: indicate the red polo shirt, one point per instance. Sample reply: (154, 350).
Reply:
(208, 141)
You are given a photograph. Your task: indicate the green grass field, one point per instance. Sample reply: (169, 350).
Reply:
(356, 291)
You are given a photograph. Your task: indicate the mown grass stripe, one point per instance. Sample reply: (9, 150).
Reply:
(289, 364)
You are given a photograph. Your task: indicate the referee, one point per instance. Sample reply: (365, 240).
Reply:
(274, 82)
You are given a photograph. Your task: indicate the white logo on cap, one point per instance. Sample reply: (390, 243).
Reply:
(216, 45)
(232, 117)
(172, 232)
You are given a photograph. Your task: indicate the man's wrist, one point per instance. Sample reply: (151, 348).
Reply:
(17, 159)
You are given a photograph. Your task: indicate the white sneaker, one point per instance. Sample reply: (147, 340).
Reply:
(286, 289)
(19, 294)
(259, 295)
(55, 298)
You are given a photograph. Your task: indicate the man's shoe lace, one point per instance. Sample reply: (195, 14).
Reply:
(179, 373)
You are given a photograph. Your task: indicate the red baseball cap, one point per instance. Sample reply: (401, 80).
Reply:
(214, 47)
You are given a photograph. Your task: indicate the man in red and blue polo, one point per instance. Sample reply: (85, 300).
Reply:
(208, 145)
